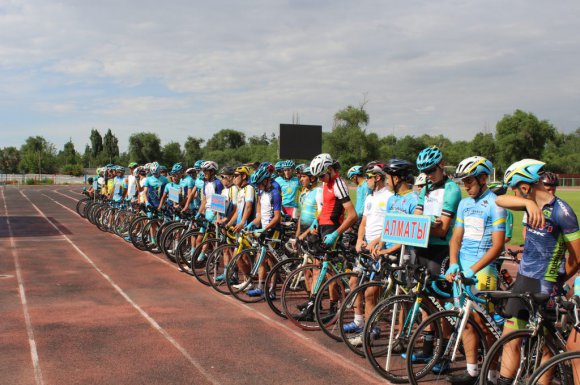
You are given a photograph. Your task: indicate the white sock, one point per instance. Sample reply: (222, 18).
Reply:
(473, 370)
(493, 376)
(260, 285)
(359, 320)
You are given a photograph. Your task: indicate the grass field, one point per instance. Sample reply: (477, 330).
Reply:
(572, 197)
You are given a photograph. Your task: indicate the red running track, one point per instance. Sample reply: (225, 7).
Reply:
(80, 306)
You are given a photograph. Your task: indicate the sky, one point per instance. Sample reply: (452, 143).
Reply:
(190, 68)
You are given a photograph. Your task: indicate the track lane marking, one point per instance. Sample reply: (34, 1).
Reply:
(31, 341)
(143, 313)
(308, 342)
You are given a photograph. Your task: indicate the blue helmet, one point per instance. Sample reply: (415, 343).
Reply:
(162, 168)
(278, 165)
(198, 164)
(306, 171)
(259, 176)
(473, 166)
(429, 158)
(288, 164)
(354, 170)
(526, 170)
(300, 168)
(154, 168)
(176, 169)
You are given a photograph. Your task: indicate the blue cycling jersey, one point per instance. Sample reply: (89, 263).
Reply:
(362, 191)
(289, 189)
(544, 248)
(199, 182)
(155, 186)
(119, 186)
(270, 201)
(479, 218)
(403, 204)
(310, 205)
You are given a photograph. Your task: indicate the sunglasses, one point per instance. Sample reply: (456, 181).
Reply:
(550, 185)
(430, 171)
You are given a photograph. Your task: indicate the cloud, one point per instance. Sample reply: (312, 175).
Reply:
(193, 67)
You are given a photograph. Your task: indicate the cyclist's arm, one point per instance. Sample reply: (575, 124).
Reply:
(455, 245)
(497, 245)
(202, 206)
(275, 220)
(573, 259)
(298, 228)
(258, 220)
(162, 201)
(535, 215)
(361, 234)
(351, 217)
(441, 226)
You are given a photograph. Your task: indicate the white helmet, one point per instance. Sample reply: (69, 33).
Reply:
(473, 166)
(421, 180)
(320, 164)
(209, 165)
(154, 168)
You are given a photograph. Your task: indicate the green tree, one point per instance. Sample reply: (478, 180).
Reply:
(37, 156)
(521, 135)
(144, 147)
(96, 143)
(562, 153)
(9, 160)
(226, 139)
(68, 155)
(171, 154)
(192, 150)
(110, 147)
(87, 157)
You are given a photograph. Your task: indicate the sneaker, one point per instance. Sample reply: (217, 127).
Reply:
(441, 367)
(397, 346)
(256, 292)
(356, 341)
(306, 314)
(331, 315)
(220, 278)
(352, 327)
(419, 358)
(201, 257)
(462, 379)
(272, 295)
(245, 286)
(303, 305)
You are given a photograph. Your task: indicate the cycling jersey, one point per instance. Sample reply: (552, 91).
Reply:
(245, 194)
(479, 218)
(231, 195)
(155, 186)
(544, 248)
(438, 200)
(187, 184)
(334, 195)
(209, 188)
(199, 183)
(403, 204)
(270, 201)
(375, 212)
(119, 186)
(131, 187)
(362, 191)
(509, 224)
(289, 189)
(310, 205)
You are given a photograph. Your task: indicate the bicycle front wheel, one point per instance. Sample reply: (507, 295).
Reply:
(562, 369)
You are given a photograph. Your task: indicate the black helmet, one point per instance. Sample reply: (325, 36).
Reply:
(227, 170)
(550, 179)
(497, 188)
(399, 167)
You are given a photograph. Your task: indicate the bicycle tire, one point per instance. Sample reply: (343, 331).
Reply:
(215, 268)
(326, 316)
(560, 364)
(275, 279)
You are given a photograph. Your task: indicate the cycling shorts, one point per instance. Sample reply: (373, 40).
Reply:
(433, 257)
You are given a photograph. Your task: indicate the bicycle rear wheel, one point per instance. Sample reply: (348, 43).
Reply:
(275, 279)
(329, 300)
(561, 369)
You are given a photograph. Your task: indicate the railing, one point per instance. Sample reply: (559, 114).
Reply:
(23, 179)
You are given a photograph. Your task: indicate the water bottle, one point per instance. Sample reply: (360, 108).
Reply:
(577, 286)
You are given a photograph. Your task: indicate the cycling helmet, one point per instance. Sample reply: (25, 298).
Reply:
(243, 170)
(306, 171)
(473, 166)
(375, 167)
(197, 164)
(399, 167)
(300, 168)
(227, 170)
(421, 180)
(137, 170)
(497, 188)
(132, 164)
(120, 168)
(278, 165)
(190, 170)
(260, 175)
(176, 169)
(209, 165)
(525, 170)
(354, 170)
(429, 158)
(154, 168)
(147, 167)
(162, 168)
(288, 164)
(550, 179)
(320, 164)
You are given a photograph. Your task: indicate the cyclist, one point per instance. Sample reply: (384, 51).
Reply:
(132, 189)
(356, 174)
(230, 192)
(194, 195)
(268, 217)
(477, 240)
(172, 189)
(310, 203)
(552, 228)
(439, 199)
(163, 171)
(421, 181)
(289, 186)
(244, 211)
(119, 184)
(211, 186)
(278, 168)
(551, 183)
(371, 226)
(187, 186)
(154, 186)
(331, 222)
